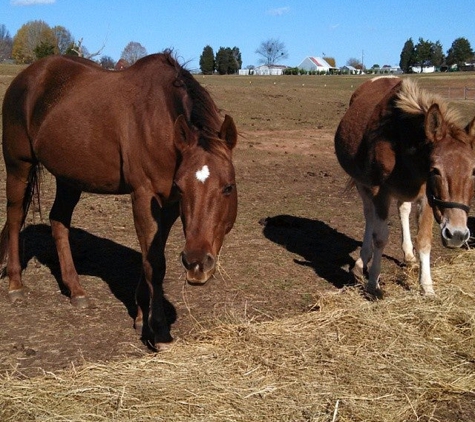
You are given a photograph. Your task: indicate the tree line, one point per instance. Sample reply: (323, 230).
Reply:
(36, 39)
(428, 53)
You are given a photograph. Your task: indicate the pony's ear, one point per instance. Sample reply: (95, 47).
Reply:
(183, 133)
(435, 125)
(470, 129)
(228, 132)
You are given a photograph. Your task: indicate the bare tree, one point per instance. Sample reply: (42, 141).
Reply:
(82, 51)
(6, 43)
(355, 63)
(272, 51)
(64, 39)
(133, 51)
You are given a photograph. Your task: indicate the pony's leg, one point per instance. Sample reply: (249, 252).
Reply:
(381, 202)
(366, 252)
(425, 220)
(60, 219)
(153, 225)
(16, 187)
(404, 209)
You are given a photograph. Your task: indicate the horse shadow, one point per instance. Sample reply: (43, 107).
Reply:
(322, 248)
(117, 265)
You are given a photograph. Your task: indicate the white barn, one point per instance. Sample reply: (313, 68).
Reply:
(317, 64)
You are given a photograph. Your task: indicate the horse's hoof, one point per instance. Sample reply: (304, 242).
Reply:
(160, 347)
(138, 325)
(80, 302)
(16, 295)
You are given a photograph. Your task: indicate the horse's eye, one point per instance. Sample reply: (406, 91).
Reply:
(227, 190)
(435, 172)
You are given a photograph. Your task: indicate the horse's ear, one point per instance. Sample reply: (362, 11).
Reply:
(435, 125)
(470, 129)
(182, 133)
(228, 132)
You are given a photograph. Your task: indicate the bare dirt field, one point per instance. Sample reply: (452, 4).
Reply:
(288, 257)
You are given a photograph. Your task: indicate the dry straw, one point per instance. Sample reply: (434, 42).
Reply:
(403, 358)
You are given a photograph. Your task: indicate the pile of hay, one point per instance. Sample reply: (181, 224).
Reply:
(403, 358)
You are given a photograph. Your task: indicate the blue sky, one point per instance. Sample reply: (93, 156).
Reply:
(370, 30)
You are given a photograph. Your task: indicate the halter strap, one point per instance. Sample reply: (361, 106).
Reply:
(448, 204)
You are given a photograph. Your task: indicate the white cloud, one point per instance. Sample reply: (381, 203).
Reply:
(279, 11)
(30, 2)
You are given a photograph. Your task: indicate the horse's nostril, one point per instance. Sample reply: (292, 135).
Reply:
(198, 262)
(184, 261)
(209, 261)
(447, 234)
(466, 236)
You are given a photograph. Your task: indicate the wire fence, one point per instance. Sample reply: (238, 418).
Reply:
(456, 93)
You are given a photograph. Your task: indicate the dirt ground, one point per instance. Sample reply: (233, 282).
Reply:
(297, 235)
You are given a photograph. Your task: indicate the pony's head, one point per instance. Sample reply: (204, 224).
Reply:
(206, 183)
(452, 172)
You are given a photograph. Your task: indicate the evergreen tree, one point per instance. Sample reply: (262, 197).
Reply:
(407, 58)
(222, 61)
(44, 49)
(237, 59)
(207, 63)
(460, 52)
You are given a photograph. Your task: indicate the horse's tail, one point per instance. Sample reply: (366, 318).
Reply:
(32, 194)
(350, 184)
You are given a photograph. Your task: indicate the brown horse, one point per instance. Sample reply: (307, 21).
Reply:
(397, 140)
(151, 131)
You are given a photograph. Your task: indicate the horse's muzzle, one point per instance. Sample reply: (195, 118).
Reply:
(454, 237)
(199, 266)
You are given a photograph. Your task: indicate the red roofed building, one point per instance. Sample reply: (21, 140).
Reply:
(317, 64)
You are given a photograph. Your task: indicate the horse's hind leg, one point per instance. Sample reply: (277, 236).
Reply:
(366, 253)
(16, 189)
(376, 209)
(60, 219)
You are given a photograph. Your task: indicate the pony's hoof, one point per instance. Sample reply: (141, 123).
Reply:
(80, 302)
(374, 293)
(429, 293)
(358, 274)
(16, 295)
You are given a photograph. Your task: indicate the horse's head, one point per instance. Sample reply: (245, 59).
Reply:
(451, 182)
(206, 182)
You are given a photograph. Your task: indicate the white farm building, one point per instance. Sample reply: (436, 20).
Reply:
(272, 70)
(316, 64)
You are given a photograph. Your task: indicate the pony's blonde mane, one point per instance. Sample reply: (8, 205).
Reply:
(414, 100)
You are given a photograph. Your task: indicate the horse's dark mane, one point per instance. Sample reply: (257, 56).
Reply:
(204, 115)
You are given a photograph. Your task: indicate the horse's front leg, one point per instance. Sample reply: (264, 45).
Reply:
(404, 210)
(153, 225)
(425, 220)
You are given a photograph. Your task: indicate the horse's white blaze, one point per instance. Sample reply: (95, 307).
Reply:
(202, 174)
